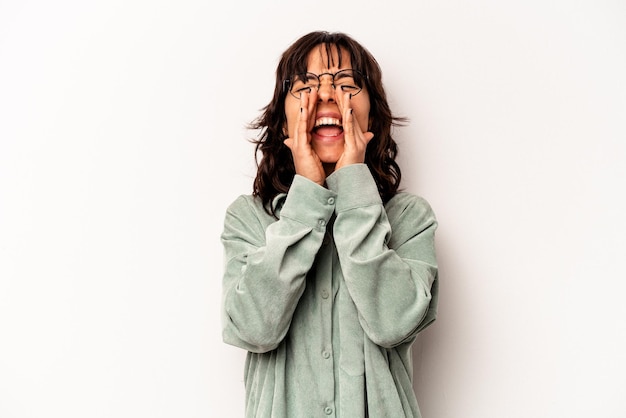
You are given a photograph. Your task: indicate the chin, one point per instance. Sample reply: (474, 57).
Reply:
(328, 156)
(329, 159)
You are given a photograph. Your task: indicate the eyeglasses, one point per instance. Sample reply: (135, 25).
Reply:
(349, 81)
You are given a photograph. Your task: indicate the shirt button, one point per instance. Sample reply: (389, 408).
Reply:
(325, 354)
(328, 410)
(325, 294)
(321, 222)
(331, 200)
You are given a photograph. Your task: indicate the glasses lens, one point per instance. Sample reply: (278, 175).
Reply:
(303, 83)
(348, 81)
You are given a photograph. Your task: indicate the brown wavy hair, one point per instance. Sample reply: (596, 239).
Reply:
(275, 170)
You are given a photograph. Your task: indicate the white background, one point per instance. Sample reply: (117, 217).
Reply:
(122, 140)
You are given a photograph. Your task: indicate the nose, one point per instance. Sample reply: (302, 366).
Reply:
(326, 91)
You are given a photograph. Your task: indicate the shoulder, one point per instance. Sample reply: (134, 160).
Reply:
(246, 220)
(409, 215)
(404, 203)
(245, 205)
(248, 208)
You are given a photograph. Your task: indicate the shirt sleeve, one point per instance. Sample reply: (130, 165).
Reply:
(387, 259)
(266, 265)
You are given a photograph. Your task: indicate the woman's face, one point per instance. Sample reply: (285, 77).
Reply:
(328, 141)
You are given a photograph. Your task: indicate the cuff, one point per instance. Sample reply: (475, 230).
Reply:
(355, 187)
(309, 203)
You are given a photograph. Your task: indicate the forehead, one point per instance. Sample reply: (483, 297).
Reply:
(327, 57)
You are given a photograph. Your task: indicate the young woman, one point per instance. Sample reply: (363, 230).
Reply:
(330, 270)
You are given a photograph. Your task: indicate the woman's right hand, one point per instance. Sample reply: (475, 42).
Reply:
(306, 161)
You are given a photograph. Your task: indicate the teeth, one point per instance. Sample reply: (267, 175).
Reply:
(327, 121)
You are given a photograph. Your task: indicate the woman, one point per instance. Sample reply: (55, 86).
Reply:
(330, 271)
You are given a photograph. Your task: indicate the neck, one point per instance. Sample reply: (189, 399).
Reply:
(329, 168)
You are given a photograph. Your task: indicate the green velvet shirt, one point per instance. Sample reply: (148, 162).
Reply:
(328, 299)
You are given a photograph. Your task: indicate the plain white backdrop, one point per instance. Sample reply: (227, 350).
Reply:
(122, 141)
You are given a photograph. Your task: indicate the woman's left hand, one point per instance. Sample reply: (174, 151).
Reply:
(355, 140)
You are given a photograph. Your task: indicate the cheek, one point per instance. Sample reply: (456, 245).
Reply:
(363, 118)
(364, 122)
(362, 110)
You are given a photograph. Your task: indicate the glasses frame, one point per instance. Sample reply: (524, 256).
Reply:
(287, 82)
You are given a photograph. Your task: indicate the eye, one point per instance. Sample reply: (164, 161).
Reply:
(347, 82)
(349, 88)
(304, 83)
(302, 88)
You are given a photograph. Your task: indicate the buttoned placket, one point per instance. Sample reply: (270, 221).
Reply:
(324, 281)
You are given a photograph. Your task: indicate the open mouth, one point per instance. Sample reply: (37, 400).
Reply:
(326, 126)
